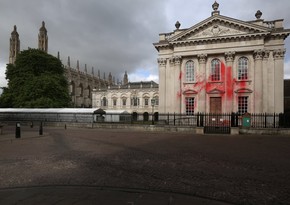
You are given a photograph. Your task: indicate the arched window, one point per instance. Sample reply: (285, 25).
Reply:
(104, 102)
(189, 70)
(243, 68)
(215, 70)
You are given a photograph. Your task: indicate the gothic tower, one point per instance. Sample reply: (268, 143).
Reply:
(125, 79)
(43, 38)
(110, 79)
(14, 46)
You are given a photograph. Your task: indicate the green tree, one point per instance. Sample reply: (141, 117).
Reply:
(36, 80)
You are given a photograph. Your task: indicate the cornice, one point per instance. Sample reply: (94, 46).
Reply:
(218, 39)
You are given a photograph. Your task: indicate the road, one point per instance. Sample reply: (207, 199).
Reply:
(129, 167)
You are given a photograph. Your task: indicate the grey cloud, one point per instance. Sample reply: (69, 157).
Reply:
(114, 36)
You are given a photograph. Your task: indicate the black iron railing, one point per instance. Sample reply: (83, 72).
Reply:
(262, 120)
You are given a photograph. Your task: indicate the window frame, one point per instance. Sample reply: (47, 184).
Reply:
(243, 104)
(189, 105)
(214, 74)
(189, 71)
(243, 68)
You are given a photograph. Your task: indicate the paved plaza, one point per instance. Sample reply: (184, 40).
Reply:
(97, 166)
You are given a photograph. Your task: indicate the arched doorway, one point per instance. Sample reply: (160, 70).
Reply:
(135, 116)
(145, 116)
(156, 116)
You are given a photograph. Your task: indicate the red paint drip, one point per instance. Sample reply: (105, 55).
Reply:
(180, 75)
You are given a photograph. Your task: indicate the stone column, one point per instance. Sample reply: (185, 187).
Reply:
(162, 84)
(176, 85)
(265, 92)
(258, 82)
(202, 78)
(229, 90)
(279, 80)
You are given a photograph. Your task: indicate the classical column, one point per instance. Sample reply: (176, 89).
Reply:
(229, 90)
(265, 92)
(279, 80)
(176, 102)
(162, 84)
(202, 78)
(258, 82)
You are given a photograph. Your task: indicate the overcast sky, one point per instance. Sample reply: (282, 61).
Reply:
(117, 35)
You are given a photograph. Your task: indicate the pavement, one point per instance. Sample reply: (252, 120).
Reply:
(97, 166)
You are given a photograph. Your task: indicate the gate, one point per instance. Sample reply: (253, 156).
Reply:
(217, 123)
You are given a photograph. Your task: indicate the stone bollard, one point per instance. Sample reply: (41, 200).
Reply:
(17, 130)
(40, 129)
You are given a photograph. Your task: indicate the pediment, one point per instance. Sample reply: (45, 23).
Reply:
(215, 31)
(216, 91)
(219, 26)
(189, 92)
(243, 90)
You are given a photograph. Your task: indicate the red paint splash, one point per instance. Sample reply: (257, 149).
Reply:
(225, 86)
(180, 76)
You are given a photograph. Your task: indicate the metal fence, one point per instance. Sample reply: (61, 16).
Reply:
(264, 120)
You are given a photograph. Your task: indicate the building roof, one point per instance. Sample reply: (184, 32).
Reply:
(132, 85)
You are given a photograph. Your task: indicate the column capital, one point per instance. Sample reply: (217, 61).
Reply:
(230, 56)
(202, 58)
(279, 54)
(266, 54)
(161, 61)
(176, 60)
(258, 54)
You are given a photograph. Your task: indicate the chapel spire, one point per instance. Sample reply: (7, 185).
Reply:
(43, 38)
(14, 45)
(125, 79)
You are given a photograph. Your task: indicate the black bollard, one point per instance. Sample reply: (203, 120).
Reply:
(31, 124)
(17, 130)
(40, 129)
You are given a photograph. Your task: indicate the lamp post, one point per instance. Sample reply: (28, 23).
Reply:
(152, 104)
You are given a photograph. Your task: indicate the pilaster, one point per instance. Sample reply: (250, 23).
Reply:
(266, 54)
(229, 101)
(176, 102)
(258, 81)
(162, 84)
(202, 78)
(278, 79)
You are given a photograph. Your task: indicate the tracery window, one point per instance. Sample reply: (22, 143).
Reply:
(215, 70)
(243, 64)
(135, 101)
(189, 71)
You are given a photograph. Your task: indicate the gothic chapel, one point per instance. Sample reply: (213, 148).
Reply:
(222, 65)
(80, 82)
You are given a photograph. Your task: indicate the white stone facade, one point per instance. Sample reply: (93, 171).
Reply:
(131, 97)
(222, 65)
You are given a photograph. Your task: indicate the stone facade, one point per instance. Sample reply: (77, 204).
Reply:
(287, 96)
(131, 97)
(222, 65)
(81, 82)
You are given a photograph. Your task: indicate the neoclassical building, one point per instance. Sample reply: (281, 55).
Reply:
(81, 81)
(222, 65)
(133, 97)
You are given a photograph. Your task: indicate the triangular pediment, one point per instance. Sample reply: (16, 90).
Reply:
(243, 90)
(219, 26)
(216, 91)
(189, 92)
